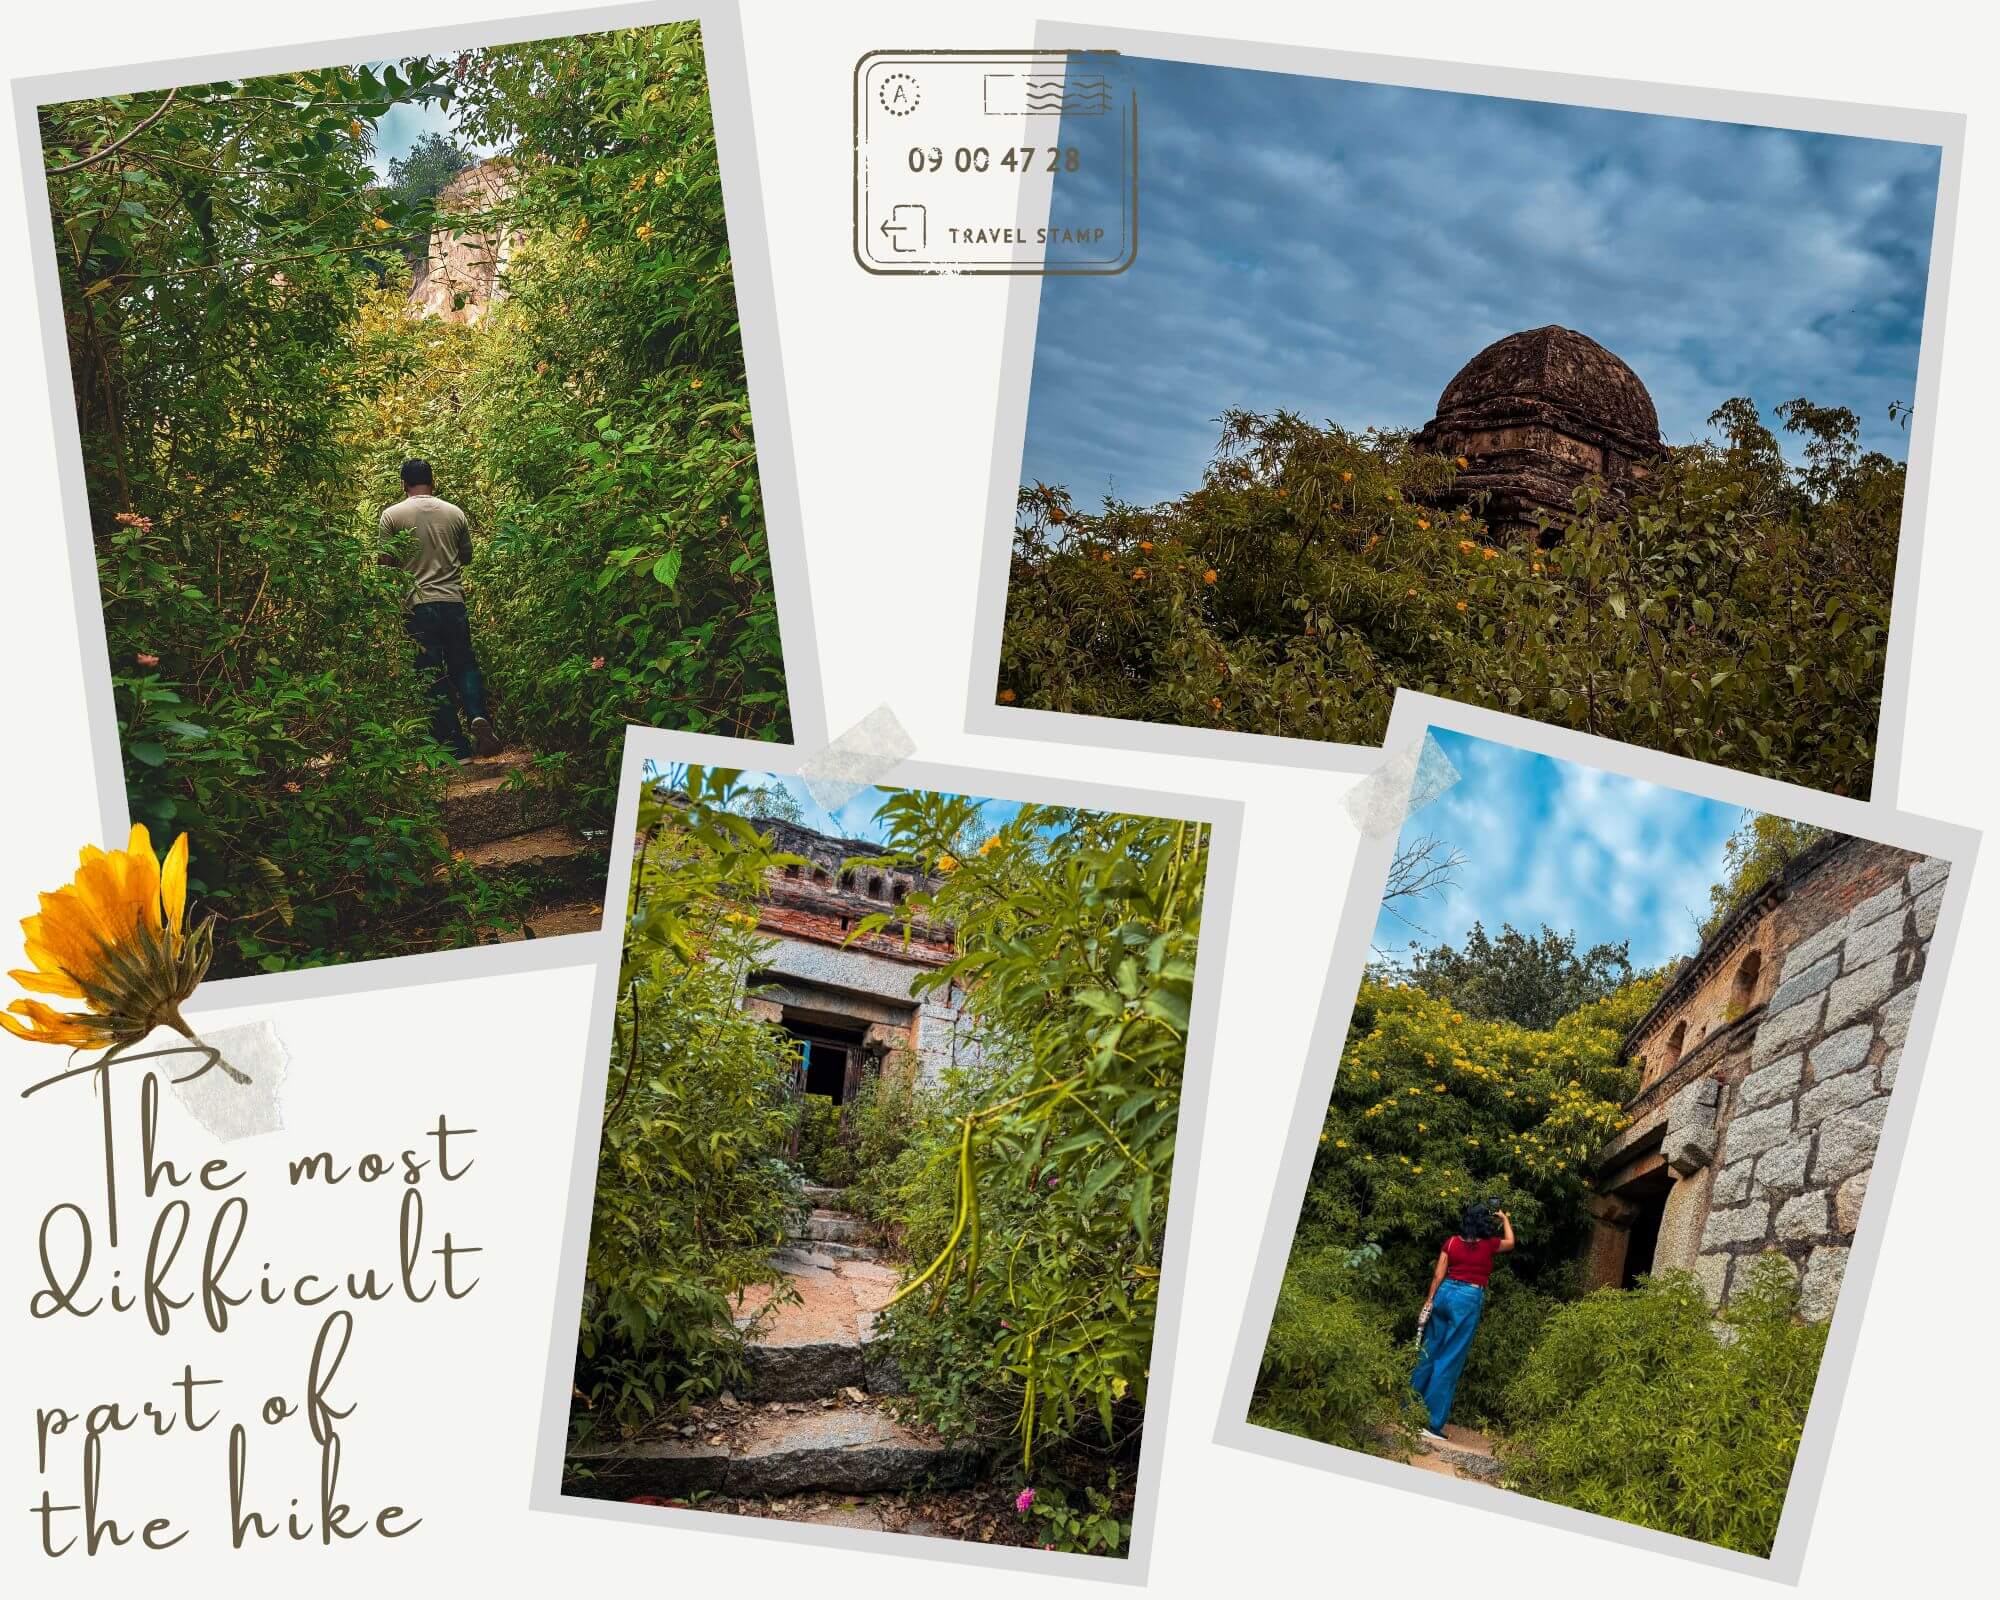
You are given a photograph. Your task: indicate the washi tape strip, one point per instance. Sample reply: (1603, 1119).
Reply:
(1407, 780)
(226, 1108)
(864, 754)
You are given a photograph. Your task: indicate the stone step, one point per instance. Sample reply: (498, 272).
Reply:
(831, 1250)
(821, 1195)
(835, 1227)
(488, 800)
(818, 1340)
(856, 1449)
(550, 922)
(554, 857)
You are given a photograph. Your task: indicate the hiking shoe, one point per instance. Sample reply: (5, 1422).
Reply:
(484, 739)
(1435, 1438)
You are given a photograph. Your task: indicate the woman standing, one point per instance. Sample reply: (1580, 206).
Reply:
(1451, 1310)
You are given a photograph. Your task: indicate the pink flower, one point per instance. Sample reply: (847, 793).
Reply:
(1024, 1499)
(145, 660)
(291, 786)
(597, 663)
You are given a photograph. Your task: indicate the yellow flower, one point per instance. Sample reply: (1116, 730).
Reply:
(1463, 463)
(947, 862)
(1421, 523)
(644, 230)
(1347, 477)
(381, 226)
(1460, 606)
(694, 383)
(1146, 545)
(1138, 572)
(114, 938)
(1489, 552)
(1209, 576)
(1465, 544)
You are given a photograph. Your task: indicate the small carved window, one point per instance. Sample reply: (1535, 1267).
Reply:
(819, 874)
(1745, 985)
(902, 889)
(847, 880)
(875, 888)
(792, 871)
(1675, 1041)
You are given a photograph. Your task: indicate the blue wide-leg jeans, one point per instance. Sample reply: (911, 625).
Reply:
(1447, 1342)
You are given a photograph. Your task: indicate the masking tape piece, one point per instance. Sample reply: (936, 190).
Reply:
(226, 1108)
(866, 752)
(1407, 780)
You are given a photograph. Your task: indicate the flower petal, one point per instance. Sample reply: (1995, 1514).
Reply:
(173, 885)
(142, 876)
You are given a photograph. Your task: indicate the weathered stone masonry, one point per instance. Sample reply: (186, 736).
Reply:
(853, 996)
(1766, 1069)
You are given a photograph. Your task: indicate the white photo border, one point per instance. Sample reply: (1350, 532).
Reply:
(750, 255)
(1225, 820)
(1411, 716)
(1943, 129)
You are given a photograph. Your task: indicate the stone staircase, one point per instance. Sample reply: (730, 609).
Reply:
(811, 1417)
(1465, 1454)
(507, 829)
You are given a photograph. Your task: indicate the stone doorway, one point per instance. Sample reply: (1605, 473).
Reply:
(831, 1058)
(1647, 1198)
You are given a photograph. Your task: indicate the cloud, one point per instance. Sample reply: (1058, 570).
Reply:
(1341, 249)
(1585, 851)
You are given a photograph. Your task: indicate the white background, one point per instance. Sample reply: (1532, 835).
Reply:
(890, 384)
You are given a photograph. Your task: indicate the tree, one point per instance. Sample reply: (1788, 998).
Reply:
(1421, 868)
(1735, 610)
(770, 802)
(1759, 848)
(417, 178)
(1535, 982)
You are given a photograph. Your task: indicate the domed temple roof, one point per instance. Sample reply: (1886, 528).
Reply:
(1535, 416)
(1565, 368)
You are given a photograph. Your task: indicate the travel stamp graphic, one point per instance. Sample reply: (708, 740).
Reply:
(995, 161)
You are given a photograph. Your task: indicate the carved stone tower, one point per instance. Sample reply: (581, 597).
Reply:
(1536, 415)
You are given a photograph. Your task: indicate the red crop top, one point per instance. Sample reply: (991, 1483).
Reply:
(1469, 1260)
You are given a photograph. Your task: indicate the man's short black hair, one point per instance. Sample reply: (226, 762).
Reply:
(416, 472)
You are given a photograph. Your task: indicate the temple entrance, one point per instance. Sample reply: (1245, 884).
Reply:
(830, 1058)
(1648, 1198)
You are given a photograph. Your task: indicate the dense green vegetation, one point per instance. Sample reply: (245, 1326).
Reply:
(693, 1187)
(1026, 1193)
(247, 380)
(1737, 613)
(1617, 1402)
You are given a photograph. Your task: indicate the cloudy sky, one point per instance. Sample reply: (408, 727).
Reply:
(856, 819)
(1551, 842)
(1341, 249)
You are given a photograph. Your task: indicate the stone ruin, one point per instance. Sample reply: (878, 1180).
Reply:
(463, 272)
(1766, 1069)
(848, 1000)
(1537, 415)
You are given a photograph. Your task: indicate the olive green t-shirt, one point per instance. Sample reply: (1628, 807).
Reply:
(434, 540)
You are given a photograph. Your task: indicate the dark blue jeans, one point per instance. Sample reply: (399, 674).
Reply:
(450, 672)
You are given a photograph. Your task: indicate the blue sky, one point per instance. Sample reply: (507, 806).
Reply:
(856, 819)
(1340, 249)
(1551, 841)
(398, 131)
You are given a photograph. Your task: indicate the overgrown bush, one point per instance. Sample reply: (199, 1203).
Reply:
(1632, 1407)
(247, 379)
(1737, 613)
(823, 1154)
(1332, 1369)
(1433, 1109)
(693, 1189)
(1038, 1179)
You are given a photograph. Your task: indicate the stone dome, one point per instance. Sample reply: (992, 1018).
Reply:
(1535, 416)
(1562, 367)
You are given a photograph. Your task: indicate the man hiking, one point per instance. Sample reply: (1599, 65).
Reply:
(431, 540)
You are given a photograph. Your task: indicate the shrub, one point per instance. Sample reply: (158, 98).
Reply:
(1331, 1369)
(1737, 612)
(1432, 1109)
(1632, 1406)
(1038, 1205)
(823, 1155)
(692, 1187)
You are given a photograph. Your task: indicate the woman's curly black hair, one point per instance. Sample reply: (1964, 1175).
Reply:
(1478, 1222)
